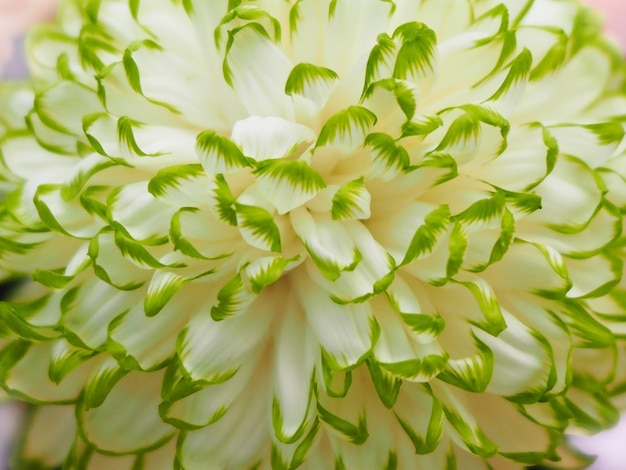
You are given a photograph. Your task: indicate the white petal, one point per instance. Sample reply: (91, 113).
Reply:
(120, 269)
(395, 229)
(65, 105)
(327, 241)
(263, 138)
(26, 159)
(30, 376)
(51, 431)
(521, 363)
(214, 350)
(594, 144)
(472, 417)
(237, 439)
(345, 332)
(212, 402)
(288, 184)
(398, 350)
(150, 340)
(128, 419)
(89, 311)
(524, 162)
(562, 97)
(336, 51)
(570, 195)
(66, 216)
(592, 274)
(372, 273)
(140, 213)
(536, 315)
(295, 357)
(259, 70)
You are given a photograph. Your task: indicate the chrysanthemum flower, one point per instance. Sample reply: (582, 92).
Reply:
(350, 234)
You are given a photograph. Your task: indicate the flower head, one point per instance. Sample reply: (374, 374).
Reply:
(314, 234)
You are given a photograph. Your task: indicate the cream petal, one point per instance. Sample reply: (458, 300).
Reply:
(370, 275)
(295, 357)
(346, 333)
(399, 351)
(119, 261)
(89, 310)
(220, 444)
(571, 89)
(127, 422)
(28, 374)
(146, 341)
(209, 404)
(139, 212)
(65, 216)
(26, 159)
(520, 361)
(63, 106)
(327, 241)
(258, 70)
(51, 431)
(592, 276)
(206, 348)
(263, 138)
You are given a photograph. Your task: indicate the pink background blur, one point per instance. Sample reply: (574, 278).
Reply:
(17, 15)
(614, 12)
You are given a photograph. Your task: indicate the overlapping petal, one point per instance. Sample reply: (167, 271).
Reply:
(259, 241)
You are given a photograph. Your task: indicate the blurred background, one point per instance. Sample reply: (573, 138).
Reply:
(15, 18)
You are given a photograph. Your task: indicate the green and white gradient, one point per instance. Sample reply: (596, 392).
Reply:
(347, 234)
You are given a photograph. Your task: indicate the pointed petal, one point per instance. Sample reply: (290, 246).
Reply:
(296, 354)
(51, 432)
(328, 243)
(594, 144)
(463, 420)
(263, 138)
(209, 404)
(410, 301)
(258, 69)
(26, 372)
(67, 217)
(220, 444)
(127, 421)
(138, 341)
(424, 428)
(258, 227)
(311, 82)
(219, 154)
(207, 349)
(89, 310)
(110, 264)
(63, 106)
(25, 158)
(398, 350)
(369, 276)
(346, 333)
(288, 184)
(570, 196)
(347, 129)
(352, 201)
(520, 361)
(265, 271)
(145, 217)
(593, 277)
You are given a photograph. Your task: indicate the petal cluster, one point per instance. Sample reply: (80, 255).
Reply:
(350, 234)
